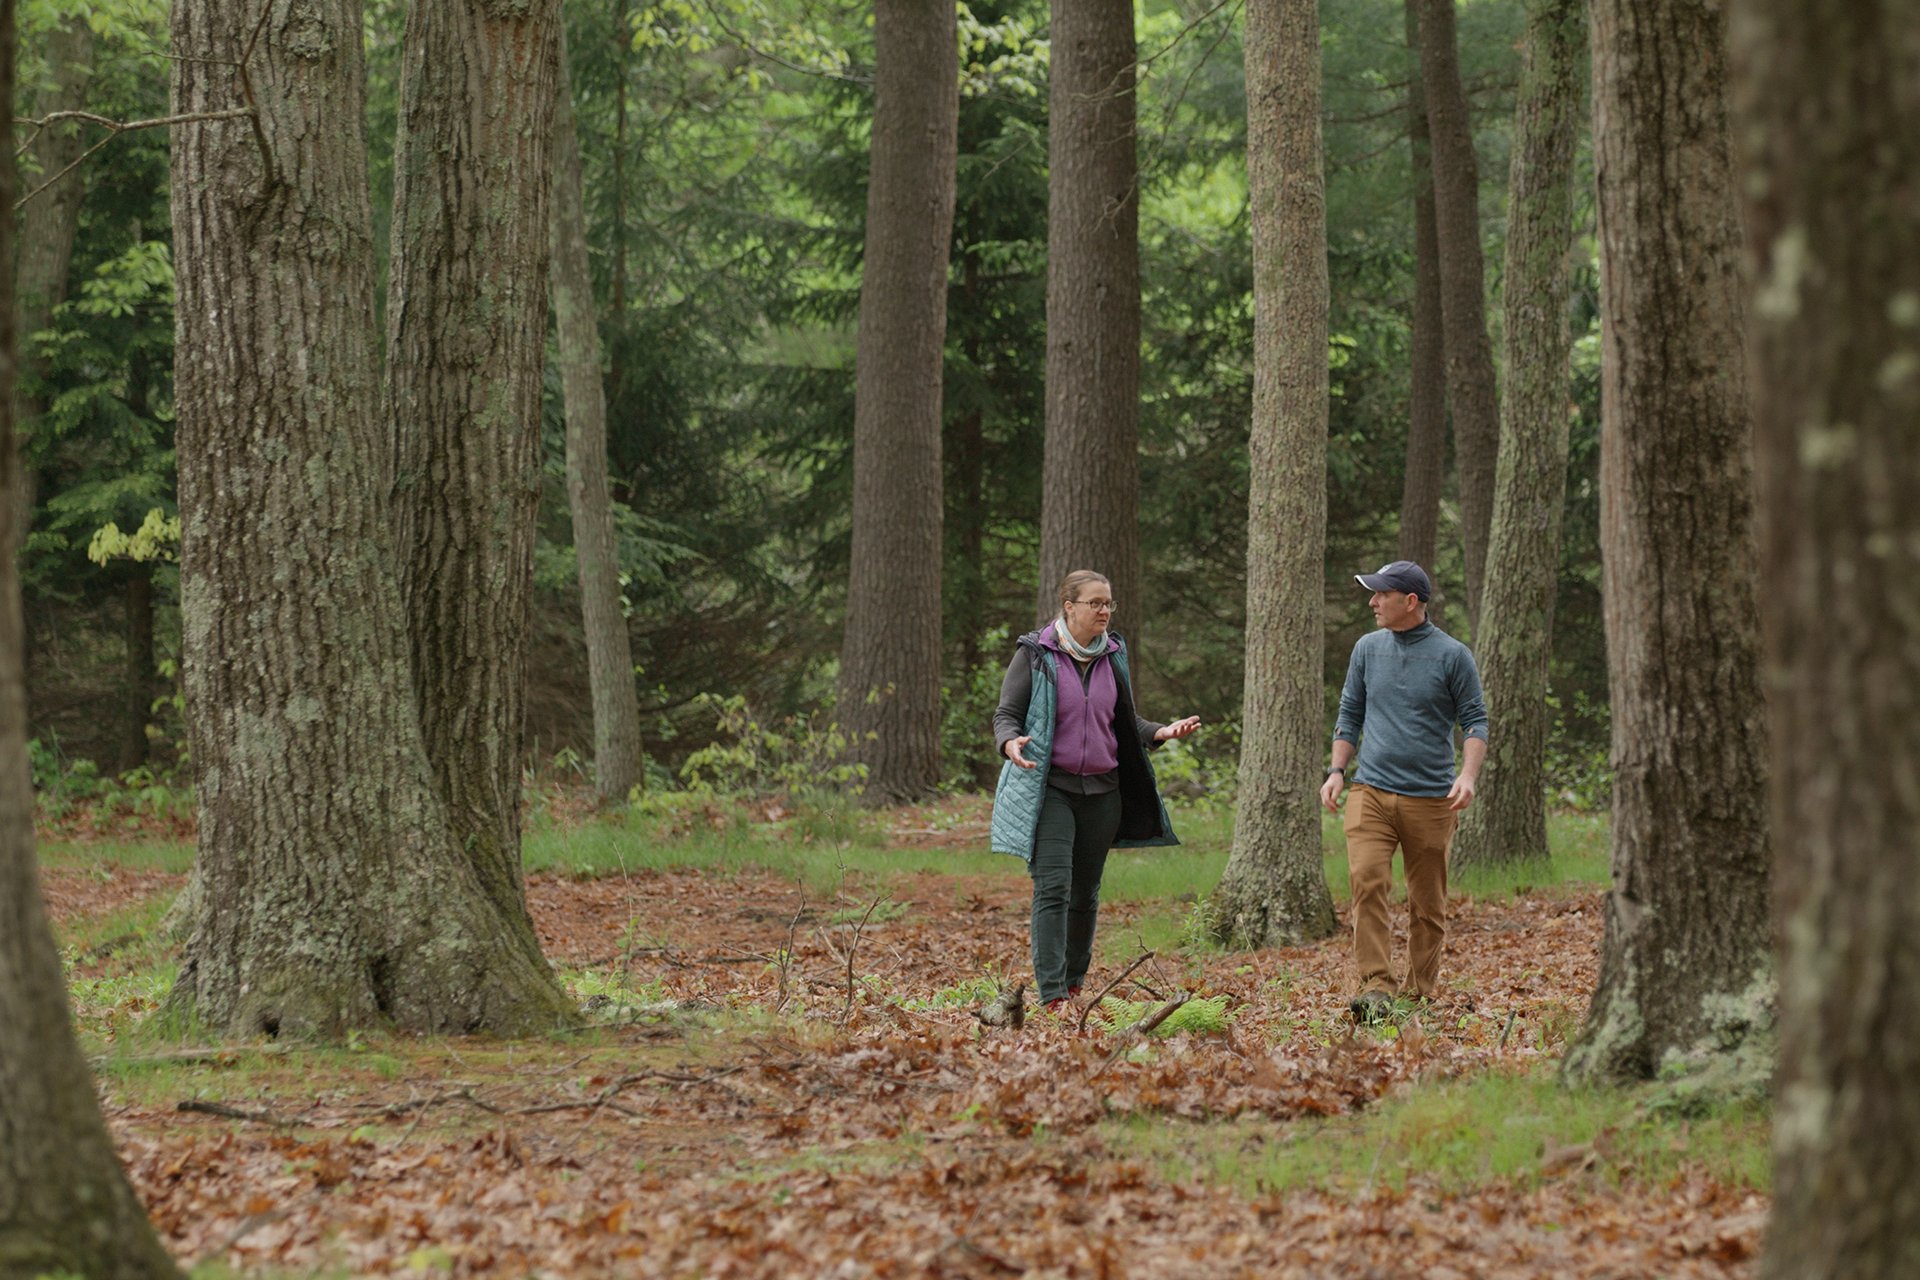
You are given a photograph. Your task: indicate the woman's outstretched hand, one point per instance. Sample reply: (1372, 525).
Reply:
(1178, 729)
(1013, 751)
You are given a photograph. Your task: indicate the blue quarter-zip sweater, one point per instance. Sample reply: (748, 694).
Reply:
(1405, 691)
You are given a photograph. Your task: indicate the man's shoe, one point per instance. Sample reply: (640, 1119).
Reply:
(1371, 1006)
(1073, 992)
(1059, 1007)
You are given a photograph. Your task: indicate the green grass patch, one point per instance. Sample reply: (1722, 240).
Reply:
(137, 855)
(614, 847)
(123, 940)
(1462, 1135)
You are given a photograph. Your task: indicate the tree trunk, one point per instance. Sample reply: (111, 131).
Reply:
(966, 456)
(1456, 211)
(616, 704)
(1090, 481)
(333, 893)
(1274, 890)
(1828, 102)
(1426, 475)
(65, 1206)
(49, 221)
(890, 657)
(466, 321)
(1686, 960)
(1515, 635)
(137, 708)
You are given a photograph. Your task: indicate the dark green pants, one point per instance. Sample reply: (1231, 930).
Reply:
(1070, 846)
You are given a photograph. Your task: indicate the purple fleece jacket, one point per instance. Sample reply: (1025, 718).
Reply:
(1083, 738)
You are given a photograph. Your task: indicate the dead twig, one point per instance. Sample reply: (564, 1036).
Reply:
(1130, 1036)
(262, 1116)
(852, 947)
(784, 964)
(1126, 973)
(1506, 1030)
(114, 129)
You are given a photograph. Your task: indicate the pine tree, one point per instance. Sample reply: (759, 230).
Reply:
(1273, 890)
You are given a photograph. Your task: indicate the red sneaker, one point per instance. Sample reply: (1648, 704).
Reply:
(1058, 1008)
(1073, 992)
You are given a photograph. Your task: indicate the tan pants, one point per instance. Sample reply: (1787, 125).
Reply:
(1422, 827)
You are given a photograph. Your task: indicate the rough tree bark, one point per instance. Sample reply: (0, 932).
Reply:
(1426, 474)
(1515, 635)
(1089, 509)
(1471, 393)
(1828, 103)
(466, 331)
(616, 704)
(51, 219)
(333, 893)
(1686, 961)
(1273, 891)
(65, 1206)
(890, 664)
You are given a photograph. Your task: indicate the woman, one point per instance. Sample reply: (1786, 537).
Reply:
(1076, 780)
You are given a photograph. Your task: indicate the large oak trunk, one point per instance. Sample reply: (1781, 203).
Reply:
(1426, 473)
(890, 657)
(1515, 635)
(616, 704)
(65, 1207)
(332, 892)
(1686, 961)
(1471, 394)
(1273, 891)
(1828, 98)
(466, 327)
(1089, 509)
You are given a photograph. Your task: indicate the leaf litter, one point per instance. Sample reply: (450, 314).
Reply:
(817, 1112)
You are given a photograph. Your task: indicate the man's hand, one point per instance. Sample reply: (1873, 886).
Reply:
(1178, 729)
(1461, 793)
(1330, 791)
(1013, 751)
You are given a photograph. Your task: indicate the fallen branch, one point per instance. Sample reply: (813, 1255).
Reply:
(1132, 1035)
(262, 1116)
(1141, 959)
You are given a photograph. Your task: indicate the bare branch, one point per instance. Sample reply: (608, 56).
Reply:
(114, 129)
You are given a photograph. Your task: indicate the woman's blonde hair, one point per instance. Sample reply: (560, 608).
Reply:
(1071, 584)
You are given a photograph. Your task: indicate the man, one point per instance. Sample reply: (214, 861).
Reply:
(1408, 685)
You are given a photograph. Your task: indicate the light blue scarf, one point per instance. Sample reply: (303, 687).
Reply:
(1080, 653)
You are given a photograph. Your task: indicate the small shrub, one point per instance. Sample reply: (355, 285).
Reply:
(967, 702)
(797, 757)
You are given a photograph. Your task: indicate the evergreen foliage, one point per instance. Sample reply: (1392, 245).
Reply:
(725, 153)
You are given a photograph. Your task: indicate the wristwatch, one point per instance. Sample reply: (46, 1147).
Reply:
(1337, 768)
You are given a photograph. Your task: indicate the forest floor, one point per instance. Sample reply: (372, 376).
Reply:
(781, 1080)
